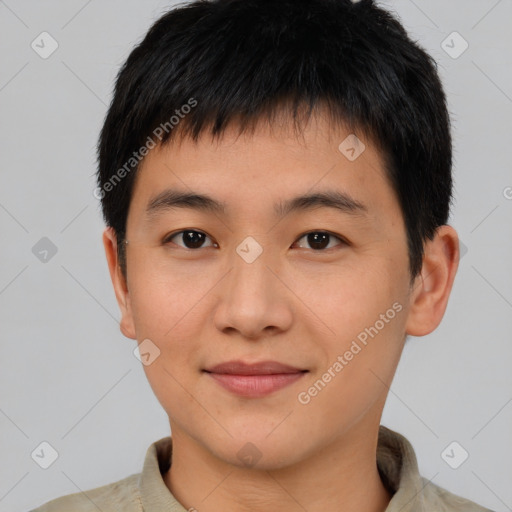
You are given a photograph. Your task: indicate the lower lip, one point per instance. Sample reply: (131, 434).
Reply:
(255, 385)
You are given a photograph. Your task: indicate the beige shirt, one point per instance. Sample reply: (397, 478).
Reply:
(147, 492)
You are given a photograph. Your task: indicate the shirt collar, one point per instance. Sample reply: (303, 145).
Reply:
(396, 462)
(399, 471)
(154, 494)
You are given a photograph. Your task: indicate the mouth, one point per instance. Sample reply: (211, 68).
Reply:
(256, 379)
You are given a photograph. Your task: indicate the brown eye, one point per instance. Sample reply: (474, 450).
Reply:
(190, 238)
(319, 240)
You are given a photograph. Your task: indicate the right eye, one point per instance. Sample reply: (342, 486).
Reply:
(191, 239)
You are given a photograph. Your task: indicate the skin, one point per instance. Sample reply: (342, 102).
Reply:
(293, 304)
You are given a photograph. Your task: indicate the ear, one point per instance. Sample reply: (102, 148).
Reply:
(431, 289)
(126, 325)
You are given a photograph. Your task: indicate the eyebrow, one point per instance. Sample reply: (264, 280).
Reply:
(173, 198)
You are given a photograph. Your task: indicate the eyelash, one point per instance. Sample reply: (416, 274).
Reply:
(168, 238)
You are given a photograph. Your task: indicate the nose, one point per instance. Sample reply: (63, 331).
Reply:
(254, 300)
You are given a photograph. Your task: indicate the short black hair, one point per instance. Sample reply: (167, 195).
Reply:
(208, 63)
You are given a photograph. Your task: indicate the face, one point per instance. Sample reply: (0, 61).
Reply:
(322, 287)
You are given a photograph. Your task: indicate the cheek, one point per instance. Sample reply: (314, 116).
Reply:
(166, 299)
(365, 311)
(167, 310)
(371, 323)
(347, 298)
(358, 371)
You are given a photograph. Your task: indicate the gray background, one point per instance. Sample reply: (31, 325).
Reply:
(69, 377)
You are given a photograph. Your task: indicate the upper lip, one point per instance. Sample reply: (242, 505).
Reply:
(260, 368)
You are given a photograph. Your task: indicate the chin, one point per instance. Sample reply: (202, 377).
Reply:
(260, 453)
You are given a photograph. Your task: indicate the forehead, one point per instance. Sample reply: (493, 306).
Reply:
(265, 169)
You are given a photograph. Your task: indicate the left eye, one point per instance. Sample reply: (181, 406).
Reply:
(193, 239)
(319, 239)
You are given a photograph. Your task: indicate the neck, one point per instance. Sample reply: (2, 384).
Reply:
(342, 476)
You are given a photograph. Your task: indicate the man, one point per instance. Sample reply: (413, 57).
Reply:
(276, 181)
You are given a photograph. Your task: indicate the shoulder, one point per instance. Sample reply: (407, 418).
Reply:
(438, 498)
(121, 495)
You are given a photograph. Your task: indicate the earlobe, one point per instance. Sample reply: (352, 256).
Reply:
(119, 283)
(432, 288)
